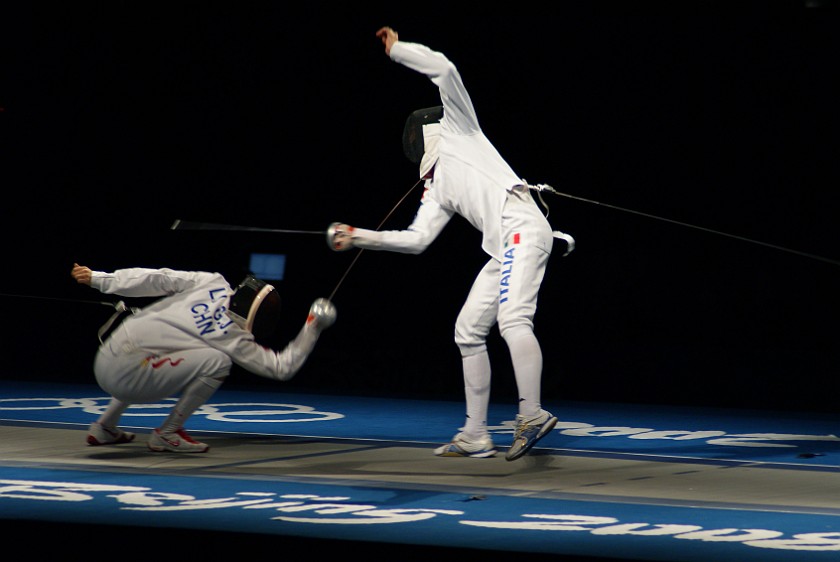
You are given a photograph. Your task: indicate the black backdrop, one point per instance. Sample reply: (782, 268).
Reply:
(120, 117)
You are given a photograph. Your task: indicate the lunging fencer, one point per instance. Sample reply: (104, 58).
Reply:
(465, 175)
(185, 343)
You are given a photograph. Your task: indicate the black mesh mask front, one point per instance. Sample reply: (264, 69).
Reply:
(413, 145)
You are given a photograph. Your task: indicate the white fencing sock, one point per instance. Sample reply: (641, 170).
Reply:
(111, 416)
(192, 398)
(526, 356)
(477, 393)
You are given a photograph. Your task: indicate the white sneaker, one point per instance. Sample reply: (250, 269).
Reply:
(462, 447)
(178, 442)
(98, 434)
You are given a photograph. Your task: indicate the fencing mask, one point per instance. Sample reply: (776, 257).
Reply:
(255, 306)
(414, 145)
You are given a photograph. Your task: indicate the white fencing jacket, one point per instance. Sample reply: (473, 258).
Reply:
(193, 315)
(470, 177)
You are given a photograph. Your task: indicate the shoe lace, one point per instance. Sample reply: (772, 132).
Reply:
(526, 425)
(186, 436)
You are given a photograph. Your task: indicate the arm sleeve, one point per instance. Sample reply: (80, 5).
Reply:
(277, 365)
(458, 110)
(142, 282)
(428, 223)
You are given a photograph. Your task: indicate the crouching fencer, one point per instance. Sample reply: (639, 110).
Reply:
(185, 343)
(465, 175)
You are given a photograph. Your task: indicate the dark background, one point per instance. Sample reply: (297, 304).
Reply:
(120, 117)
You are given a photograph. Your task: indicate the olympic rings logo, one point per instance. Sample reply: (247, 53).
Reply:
(234, 412)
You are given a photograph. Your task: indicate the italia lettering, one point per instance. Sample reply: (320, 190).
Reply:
(505, 282)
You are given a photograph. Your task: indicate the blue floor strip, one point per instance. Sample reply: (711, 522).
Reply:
(805, 440)
(489, 521)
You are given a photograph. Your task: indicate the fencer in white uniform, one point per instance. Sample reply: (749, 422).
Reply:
(185, 344)
(465, 175)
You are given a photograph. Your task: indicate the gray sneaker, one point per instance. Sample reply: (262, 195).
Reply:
(178, 442)
(528, 432)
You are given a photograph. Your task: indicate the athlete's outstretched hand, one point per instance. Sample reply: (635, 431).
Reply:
(81, 274)
(322, 314)
(389, 37)
(340, 236)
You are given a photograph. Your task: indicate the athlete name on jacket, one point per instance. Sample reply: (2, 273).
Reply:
(208, 317)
